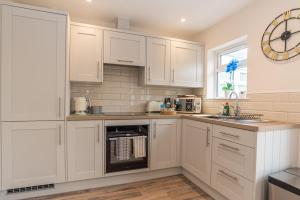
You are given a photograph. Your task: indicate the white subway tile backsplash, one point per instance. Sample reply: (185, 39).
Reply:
(275, 106)
(121, 91)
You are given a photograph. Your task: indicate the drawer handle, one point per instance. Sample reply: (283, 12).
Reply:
(91, 34)
(127, 61)
(229, 147)
(230, 135)
(226, 175)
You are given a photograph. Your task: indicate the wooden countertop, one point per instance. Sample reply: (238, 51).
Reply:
(250, 126)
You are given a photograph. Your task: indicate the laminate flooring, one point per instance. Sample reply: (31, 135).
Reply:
(168, 188)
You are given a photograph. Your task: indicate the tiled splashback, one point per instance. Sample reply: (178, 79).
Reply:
(275, 106)
(121, 91)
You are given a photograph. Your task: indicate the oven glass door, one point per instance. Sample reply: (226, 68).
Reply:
(126, 150)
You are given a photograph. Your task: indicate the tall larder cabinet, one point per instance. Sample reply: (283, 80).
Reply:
(32, 79)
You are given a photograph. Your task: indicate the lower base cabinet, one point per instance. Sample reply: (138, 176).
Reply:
(85, 150)
(165, 148)
(197, 149)
(32, 153)
(231, 185)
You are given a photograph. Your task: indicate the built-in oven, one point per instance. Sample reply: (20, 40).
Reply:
(126, 147)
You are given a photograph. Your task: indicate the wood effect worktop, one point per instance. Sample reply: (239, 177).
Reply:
(250, 126)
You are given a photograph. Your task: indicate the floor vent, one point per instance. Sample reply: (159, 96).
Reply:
(30, 188)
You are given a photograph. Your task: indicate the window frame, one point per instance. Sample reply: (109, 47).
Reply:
(217, 60)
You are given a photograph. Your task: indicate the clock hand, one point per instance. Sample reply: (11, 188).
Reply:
(279, 37)
(285, 41)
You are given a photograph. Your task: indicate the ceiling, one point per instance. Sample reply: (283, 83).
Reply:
(156, 16)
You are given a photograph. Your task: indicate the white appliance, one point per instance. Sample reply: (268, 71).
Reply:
(190, 104)
(81, 105)
(153, 106)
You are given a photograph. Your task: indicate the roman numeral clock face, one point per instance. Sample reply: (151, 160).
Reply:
(281, 40)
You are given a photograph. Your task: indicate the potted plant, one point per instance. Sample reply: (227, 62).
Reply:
(230, 68)
(227, 88)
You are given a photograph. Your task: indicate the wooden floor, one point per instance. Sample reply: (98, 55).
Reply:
(169, 188)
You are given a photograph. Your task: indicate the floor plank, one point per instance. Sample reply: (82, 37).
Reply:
(168, 188)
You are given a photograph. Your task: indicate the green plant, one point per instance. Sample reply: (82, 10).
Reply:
(228, 87)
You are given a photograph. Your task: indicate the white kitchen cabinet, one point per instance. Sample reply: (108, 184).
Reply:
(186, 64)
(158, 71)
(164, 143)
(197, 149)
(124, 48)
(32, 153)
(238, 158)
(85, 150)
(86, 54)
(33, 53)
(231, 185)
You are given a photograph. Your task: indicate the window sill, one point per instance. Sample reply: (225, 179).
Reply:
(226, 99)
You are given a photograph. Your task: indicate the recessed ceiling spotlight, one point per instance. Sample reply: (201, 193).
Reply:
(182, 20)
(89, 1)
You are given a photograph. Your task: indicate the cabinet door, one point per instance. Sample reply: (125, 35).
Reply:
(187, 69)
(32, 153)
(85, 147)
(33, 65)
(124, 48)
(86, 54)
(158, 61)
(197, 149)
(164, 150)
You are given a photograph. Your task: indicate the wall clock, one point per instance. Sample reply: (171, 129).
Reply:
(281, 39)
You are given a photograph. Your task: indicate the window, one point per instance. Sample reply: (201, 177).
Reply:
(239, 77)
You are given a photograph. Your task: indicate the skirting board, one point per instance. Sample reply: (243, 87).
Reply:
(206, 188)
(94, 183)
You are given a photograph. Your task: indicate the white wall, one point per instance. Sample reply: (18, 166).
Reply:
(264, 75)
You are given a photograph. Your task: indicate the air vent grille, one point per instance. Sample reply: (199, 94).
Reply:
(30, 188)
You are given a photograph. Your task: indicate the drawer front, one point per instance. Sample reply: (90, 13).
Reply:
(239, 159)
(239, 136)
(231, 185)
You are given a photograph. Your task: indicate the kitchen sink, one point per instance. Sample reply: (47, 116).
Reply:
(232, 119)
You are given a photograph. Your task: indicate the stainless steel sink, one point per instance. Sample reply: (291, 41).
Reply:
(233, 119)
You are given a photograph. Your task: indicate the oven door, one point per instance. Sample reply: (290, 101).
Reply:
(126, 152)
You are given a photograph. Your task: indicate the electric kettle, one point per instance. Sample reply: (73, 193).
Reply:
(81, 105)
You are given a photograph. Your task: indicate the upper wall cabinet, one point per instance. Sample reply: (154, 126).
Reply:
(173, 63)
(86, 54)
(158, 61)
(124, 48)
(33, 53)
(186, 64)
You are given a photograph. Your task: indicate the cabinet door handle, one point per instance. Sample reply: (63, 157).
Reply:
(59, 135)
(230, 135)
(173, 75)
(59, 107)
(98, 70)
(126, 61)
(207, 136)
(98, 134)
(149, 71)
(229, 147)
(154, 131)
(224, 174)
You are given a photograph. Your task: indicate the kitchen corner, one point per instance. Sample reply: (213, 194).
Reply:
(202, 104)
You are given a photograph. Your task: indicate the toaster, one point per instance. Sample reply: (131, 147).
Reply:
(153, 106)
